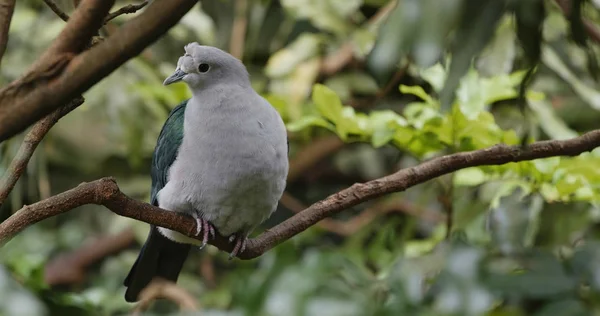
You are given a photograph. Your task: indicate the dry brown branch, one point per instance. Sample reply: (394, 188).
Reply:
(383, 92)
(58, 271)
(54, 7)
(337, 60)
(61, 74)
(207, 271)
(80, 28)
(28, 146)
(106, 192)
(70, 268)
(7, 8)
(313, 153)
(590, 27)
(128, 9)
(238, 30)
(160, 288)
(353, 225)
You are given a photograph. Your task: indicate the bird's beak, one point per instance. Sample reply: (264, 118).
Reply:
(177, 76)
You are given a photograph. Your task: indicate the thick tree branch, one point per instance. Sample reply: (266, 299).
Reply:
(7, 8)
(61, 77)
(106, 192)
(30, 143)
(80, 28)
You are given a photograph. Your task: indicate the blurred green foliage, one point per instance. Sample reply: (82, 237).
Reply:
(398, 84)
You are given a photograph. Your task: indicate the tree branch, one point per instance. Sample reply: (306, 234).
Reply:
(161, 288)
(351, 226)
(28, 146)
(70, 268)
(106, 192)
(54, 7)
(238, 30)
(590, 27)
(7, 8)
(60, 77)
(337, 60)
(128, 9)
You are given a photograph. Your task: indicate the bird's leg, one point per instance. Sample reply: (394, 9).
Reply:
(205, 227)
(240, 240)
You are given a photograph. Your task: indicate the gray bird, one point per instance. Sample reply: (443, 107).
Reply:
(221, 157)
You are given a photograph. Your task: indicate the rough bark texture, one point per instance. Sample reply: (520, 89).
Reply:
(61, 73)
(106, 192)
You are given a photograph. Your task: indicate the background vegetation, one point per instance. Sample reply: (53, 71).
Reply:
(366, 88)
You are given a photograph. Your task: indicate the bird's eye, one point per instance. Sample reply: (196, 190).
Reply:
(203, 67)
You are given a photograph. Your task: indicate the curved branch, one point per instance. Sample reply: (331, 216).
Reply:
(161, 288)
(58, 77)
(106, 192)
(70, 268)
(30, 142)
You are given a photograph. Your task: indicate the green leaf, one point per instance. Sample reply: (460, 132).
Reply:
(285, 61)
(550, 123)
(417, 91)
(477, 25)
(327, 102)
(469, 177)
(435, 76)
(541, 277)
(530, 15)
(394, 39)
(329, 15)
(439, 18)
(499, 55)
(569, 306)
(588, 94)
(308, 121)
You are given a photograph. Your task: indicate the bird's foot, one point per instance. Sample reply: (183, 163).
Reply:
(206, 228)
(239, 240)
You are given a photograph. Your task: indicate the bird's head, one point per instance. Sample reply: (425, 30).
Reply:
(202, 66)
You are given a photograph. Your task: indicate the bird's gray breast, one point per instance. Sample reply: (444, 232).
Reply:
(232, 164)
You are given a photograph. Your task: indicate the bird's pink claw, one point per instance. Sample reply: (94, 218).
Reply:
(240, 241)
(205, 227)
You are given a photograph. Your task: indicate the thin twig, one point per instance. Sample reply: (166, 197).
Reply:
(382, 93)
(28, 146)
(335, 61)
(313, 153)
(54, 7)
(7, 8)
(106, 192)
(128, 9)
(160, 288)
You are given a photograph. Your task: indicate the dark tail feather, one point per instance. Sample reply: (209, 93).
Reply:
(159, 257)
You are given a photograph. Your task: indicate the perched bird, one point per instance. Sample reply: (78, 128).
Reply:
(221, 157)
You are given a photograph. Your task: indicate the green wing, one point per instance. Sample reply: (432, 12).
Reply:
(167, 146)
